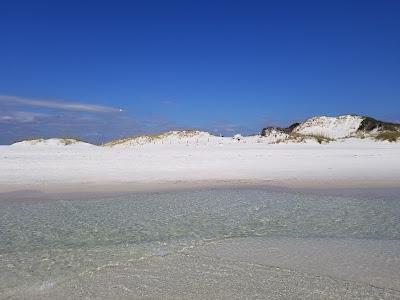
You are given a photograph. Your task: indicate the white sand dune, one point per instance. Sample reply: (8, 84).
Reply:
(332, 127)
(53, 142)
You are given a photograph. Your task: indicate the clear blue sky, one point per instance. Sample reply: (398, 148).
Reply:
(225, 66)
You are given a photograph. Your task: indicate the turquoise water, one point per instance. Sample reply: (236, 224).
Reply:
(47, 243)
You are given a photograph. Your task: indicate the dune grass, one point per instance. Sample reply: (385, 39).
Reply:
(390, 136)
(321, 139)
(151, 137)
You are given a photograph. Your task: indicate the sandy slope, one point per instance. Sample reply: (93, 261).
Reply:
(332, 127)
(350, 162)
(54, 142)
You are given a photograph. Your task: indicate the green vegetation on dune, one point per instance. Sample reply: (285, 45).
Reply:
(155, 136)
(369, 124)
(390, 136)
(386, 131)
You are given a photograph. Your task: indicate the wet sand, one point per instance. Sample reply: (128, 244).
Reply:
(256, 268)
(109, 189)
(221, 242)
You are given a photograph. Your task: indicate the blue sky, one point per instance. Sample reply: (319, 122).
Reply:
(223, 66)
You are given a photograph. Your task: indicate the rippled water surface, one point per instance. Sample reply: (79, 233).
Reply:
(47, 245)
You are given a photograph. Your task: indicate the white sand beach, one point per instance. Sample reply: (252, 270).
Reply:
(342, 163)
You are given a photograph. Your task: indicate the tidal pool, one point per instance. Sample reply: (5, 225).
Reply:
(207, 243)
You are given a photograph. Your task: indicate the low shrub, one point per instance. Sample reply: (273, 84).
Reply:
(390, 136)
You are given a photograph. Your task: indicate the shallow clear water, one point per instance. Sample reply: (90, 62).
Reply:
(44, 244)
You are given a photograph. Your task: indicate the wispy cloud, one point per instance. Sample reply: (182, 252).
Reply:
(21, 117)
(62, 105)
(90, 127)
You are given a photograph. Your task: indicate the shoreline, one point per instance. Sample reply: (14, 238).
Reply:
(111, 189)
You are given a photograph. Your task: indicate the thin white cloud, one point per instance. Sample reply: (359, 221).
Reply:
(59, 104)
(6, 118)
(21, 117)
